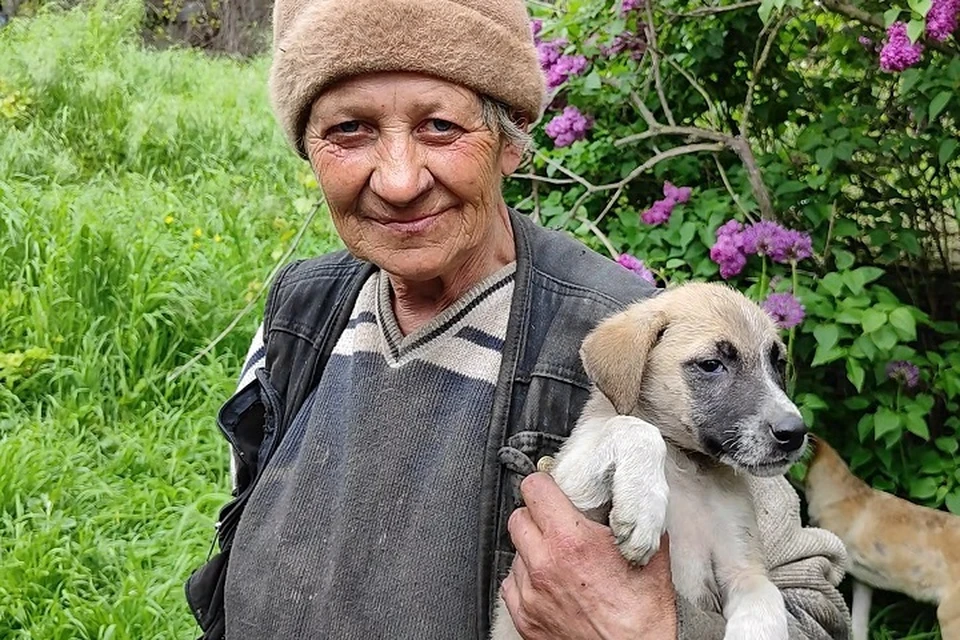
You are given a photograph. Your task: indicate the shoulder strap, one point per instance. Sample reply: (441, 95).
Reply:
(308, 307)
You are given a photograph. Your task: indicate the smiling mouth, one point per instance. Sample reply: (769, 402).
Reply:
(412, 225)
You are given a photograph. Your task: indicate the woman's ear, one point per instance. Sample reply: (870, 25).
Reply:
(511, 155)
(615, 353)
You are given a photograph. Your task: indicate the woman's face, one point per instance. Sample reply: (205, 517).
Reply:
(409, 170)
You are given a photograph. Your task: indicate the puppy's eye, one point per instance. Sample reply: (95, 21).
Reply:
(710, 366)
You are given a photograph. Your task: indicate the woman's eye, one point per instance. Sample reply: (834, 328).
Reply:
(442, 126)
(347, 127)
(710, 366)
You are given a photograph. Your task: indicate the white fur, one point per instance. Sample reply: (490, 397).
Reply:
(717, 562)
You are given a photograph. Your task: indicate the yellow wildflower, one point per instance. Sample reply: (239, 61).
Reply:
(168, 220)
(198, 233)
(217, 238)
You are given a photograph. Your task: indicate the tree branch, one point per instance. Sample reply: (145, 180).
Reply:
(755, 76)
(652, 41)
(710, 11)
(870, 20)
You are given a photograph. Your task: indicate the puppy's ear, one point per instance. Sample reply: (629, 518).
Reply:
(615, 353)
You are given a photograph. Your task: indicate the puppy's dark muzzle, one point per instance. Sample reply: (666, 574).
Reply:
(789, 433)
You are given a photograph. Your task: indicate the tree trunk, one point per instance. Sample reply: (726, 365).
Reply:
(244, 25)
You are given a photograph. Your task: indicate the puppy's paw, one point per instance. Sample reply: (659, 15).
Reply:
(638, 540)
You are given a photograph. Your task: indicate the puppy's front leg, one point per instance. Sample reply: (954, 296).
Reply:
(640, 491)
(583, 466)
(754, 609)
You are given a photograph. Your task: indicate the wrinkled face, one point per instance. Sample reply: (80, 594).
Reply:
(410, 172)
(716, 377)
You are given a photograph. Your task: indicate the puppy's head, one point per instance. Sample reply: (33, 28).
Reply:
(705, 364)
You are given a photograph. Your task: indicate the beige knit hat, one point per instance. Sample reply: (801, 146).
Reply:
(485, 45)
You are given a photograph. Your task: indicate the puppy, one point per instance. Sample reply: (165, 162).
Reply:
(892, 543)
(706, 366)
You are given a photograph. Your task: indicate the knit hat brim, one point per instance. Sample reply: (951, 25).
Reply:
(330, 41)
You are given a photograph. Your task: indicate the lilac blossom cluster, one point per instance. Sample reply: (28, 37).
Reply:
(661, 210)
(630, 5)
(905, 373)
(785, 309)
(635, 43)
(765, 238)
(898, 52)
(636, 265)
(556, 65)
(942, 19)
(568, 127)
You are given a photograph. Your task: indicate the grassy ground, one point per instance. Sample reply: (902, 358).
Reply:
(144, 197)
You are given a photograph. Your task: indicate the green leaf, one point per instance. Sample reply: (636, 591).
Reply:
(824, 157)
(923, 488)
(827, 335)
(849, 316)
(833, 283)
(938, 103)
(885, 421)
(869, 274)
(865, 427)
(873, 320)
(908, 79)
(855, 374)
(920, 7)
(890, 16)
(687, 231)
(917, 425)
(844, 259)
(953, 501)
(947, 445)
(904, 322)
(947, 147)
(885, 338)
(766, 7)
(824, 356)
(592, 82)
(915, 28)
(675, 263)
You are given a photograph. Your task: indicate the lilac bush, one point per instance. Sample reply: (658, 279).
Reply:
(898, 52)
(786, 310)
(568, 127)
(637, 266)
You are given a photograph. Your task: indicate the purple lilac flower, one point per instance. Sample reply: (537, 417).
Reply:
(564, 67)
(536, 26)
(659, 213)
(866, 42)
(898, 52)
(728, 250)
(763, 238)
(905, 373)
(728, 253)
(550, 51)
(636, 44)
(942, 19)
(568, 127)
(785, 309)
(630, 5)
(677, 194)
(793, 246)
(636, 265)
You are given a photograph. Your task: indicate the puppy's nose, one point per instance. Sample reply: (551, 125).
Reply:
(789, 432)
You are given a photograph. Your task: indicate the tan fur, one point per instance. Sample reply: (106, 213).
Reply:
(485, 45)
(636, 447)
(893, 544)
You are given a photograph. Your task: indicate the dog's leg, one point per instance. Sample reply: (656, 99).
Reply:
(584, 464)
(502, 627)
(860, 609)
(754, 609)
(948, 613)
(640, 491)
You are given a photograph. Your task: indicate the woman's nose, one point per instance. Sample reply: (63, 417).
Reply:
(401, 175)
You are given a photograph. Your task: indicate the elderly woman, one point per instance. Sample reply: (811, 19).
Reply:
(398, 392)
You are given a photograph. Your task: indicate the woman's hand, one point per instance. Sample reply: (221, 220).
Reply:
(570, 582)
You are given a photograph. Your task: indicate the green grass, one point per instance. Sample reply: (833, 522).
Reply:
(144, 197)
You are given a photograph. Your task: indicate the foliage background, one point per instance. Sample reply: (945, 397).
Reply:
(145, 196)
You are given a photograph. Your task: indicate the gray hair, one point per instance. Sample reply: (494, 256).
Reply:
(498, 117)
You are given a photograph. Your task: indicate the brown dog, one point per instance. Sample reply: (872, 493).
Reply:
(892, 543)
